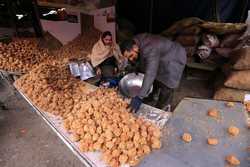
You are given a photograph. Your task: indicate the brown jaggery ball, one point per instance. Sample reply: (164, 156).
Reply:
(140, 152)
(130, 134)
(146, 149)
(122, 145)
(75, 137)
(143, 140)
(132, 152)
(129, 144)
(107, 156)
(232, 160)
(187, 137)
(95, 137)
(144, 133)
(83, 146)
(212, 141)
(136, 137)
(117, 132)
(87, 136)
(79, 131)
(134, 161)
(66, 126)
(156, 143)
(123, 159)
(213, 112)
(114, 163)
(109, 144)
(97, 146)
(116, 153)
(233, 130)
(157, 133)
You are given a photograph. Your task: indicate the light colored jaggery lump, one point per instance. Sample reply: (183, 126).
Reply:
(213, 112)
(234, 131)
(212, 141)
(187, 137)
(232, 160)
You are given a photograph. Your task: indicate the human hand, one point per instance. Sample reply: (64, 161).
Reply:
(135, 104)
(98, 71)
(116, 70)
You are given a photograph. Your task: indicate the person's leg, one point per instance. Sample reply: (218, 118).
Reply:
(150, 100)
(165, 97)
(108, 68)
(107, 71)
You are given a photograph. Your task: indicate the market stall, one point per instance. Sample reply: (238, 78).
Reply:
(97, 123)
(91, 159)
(65, 102)
(54, 94)
(190, 116)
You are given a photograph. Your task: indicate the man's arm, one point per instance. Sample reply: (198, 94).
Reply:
(152, 65)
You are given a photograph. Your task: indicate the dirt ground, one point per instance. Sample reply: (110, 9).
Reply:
(27, 141)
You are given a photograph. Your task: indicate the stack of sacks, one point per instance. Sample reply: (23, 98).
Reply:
(238, 82)
(186, 32)
(189, 37)
(192, 33)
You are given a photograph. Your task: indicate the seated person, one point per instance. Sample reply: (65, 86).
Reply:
(106, 56)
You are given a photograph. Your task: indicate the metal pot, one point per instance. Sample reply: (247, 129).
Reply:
(130, 85)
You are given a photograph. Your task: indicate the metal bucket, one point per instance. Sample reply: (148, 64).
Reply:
(86, 71)
(74, 69)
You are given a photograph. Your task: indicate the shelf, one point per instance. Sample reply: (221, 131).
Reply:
(81, 9)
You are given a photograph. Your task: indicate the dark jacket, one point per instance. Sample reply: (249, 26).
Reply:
(160, 59)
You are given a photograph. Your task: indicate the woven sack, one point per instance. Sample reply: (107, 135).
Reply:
(239, 80)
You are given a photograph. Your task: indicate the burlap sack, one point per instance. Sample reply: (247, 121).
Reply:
(224, 28)
(241, 57)
(228, 94)
(179, 26)
(187, 40)
(239, 80)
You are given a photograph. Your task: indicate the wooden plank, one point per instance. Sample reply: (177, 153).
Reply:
(71, 8)
(201, 66)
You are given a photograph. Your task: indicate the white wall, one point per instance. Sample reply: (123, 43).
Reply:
(62, 30)
(65, 31)
(100, 20)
